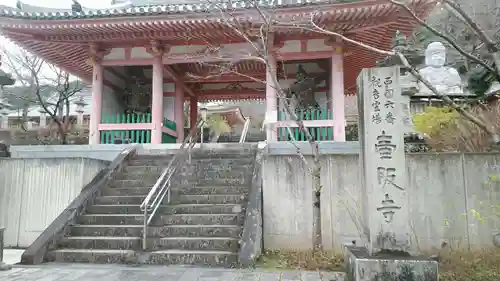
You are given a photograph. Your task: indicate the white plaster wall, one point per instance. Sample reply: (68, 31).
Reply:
(169, 102)
(445, 191)
(110, 102)
(33, 192)
(169, 108)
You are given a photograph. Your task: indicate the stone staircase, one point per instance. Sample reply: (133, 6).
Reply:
(201, 225)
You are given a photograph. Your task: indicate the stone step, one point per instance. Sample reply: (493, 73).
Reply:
(187, 189)
(193, 243)
(92, 256)
(145, 182)
(193, 257)
(146, 169)
(174, 219)
(126, 191)
(101, 242)
(179, 199)
(206, 181)
(119, 200)
(189, 180)
(207, 190)
(204, 167)
(149, 160)
(153, 244)
(226, 161)
(168, 209)
(146, 177)
(188, 173)
(209, 199)
(157, 231)
(226, 153)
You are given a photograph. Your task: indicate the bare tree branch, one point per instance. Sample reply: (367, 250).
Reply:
(417, 75)
(46, 86)
(490, 44)
(446, 38)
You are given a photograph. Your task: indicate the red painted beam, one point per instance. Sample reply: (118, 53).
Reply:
(178, 80)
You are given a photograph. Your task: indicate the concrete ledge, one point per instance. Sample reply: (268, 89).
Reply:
(37, 252)
(100, 151)
(362, 267)
(251, 238)
(108, 152)
(325, 147)
(173, 148)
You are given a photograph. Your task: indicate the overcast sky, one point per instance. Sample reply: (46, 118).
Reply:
(61, 4)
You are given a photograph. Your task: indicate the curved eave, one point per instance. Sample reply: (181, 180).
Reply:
(37, 36)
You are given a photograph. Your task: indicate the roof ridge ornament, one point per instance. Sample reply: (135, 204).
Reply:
(19, 5)
(76, 7)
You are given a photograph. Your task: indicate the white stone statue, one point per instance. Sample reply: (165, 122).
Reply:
(445, 79)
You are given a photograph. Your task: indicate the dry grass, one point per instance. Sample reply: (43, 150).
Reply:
(471, 266)
(454, 266)
(308, 260)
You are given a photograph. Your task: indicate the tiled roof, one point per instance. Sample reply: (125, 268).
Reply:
(145, 8)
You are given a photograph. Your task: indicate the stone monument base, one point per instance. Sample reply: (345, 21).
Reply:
(360, 266)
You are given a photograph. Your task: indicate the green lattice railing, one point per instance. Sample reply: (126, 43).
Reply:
(133, 136)
(319, 133)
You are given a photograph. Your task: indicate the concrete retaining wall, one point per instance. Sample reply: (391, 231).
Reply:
(453, 198)
(33, 192)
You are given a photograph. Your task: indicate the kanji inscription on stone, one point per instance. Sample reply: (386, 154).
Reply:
(382, 157)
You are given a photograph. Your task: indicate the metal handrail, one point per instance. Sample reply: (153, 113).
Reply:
(162, 186)
(244, 132)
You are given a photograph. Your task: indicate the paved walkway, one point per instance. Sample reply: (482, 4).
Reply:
(12, 256)
(78, 272)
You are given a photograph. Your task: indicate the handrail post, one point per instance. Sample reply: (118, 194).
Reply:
(189, 150)
(162, 186)
(145, 230)
(245, 130)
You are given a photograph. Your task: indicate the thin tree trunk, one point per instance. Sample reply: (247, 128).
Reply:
(24, 118)
(317, 239)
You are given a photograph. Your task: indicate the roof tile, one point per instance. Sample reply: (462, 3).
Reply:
(42, 13)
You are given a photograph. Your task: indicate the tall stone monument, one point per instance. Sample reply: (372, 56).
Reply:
(387, 251)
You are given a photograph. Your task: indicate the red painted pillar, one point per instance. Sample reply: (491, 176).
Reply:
(97, 88)
(337, 95)
(271, 100)
(179, 112)
(193, 111)
(157, 100)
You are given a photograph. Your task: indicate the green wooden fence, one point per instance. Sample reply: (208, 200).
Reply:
(166, 138)
(133, 136)
(319, 133)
